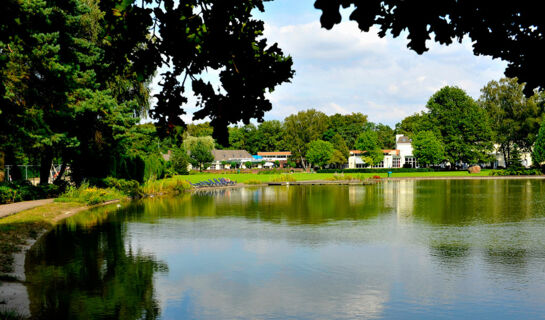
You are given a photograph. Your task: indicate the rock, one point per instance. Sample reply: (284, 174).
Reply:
(474, 169)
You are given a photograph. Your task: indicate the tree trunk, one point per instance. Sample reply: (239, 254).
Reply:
(2, 166)
(45, 166)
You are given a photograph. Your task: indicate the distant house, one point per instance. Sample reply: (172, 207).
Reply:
(393, 158)
(238, 156)
(271, 157)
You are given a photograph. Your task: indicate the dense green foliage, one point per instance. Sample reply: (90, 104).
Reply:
(463, 126)
(23, 190)
(515, 119)
(376, 170)
(516, 172)
(200, 154)
(538, 153)
(319, 153)
(368, 142)
(75, 74)
(303, 128)
(427, 148)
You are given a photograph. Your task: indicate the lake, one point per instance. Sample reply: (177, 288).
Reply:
(408, 249)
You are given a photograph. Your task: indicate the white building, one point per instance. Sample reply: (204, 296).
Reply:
(395, 158)
(500, 162)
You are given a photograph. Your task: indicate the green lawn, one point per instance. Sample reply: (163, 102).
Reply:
(244, 177)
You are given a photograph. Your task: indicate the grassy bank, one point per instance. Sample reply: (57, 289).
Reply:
(16, 229)
(245, 177)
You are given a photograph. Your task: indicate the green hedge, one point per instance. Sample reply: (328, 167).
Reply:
(516, 172)
(375, 170)
(23, 190)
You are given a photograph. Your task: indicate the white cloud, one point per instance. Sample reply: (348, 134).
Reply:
(344, 70)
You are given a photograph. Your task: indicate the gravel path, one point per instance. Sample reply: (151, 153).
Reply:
(11, 208)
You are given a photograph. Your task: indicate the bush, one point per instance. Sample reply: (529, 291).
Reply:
(273, 171)
(23, 190)
(516, 172)
(284, 178)
(90, 195)
(7, 194)
(130, 188)
(375, 170)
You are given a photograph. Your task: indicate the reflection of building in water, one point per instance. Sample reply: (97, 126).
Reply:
(399, 195)
(356, 194)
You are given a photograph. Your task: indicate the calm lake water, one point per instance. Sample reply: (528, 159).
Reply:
(395, 250)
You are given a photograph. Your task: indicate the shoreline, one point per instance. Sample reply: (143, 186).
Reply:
(369, 181)
(13, 292)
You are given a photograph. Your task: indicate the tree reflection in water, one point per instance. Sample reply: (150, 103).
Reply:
(83, 271)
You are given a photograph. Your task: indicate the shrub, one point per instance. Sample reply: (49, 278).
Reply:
(253, 182)
(284, 178)
(89, 195)
(7, 194)
(130, 188)
(515, 172)
(375, 170)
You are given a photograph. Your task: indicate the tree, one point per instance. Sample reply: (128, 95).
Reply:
(200, 154)
(74, 73)
(248, 164)
(338, 159)
(348, 126)
(464, 126)
(339, 144)
(368, 143)
(319, 153)
(200, 129)
(179, 161)
(515, 119)
(512, 32)
(416, 123)
(538, 153)
(386, 136)
(190, 142)
(221, 35)
(244, 138)
(303, 128)
(427, 148)
(270, 136)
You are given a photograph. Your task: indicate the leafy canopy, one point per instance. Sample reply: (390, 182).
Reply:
(512, 31)
(319, 153)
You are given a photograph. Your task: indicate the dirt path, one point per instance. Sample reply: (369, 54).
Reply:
(11, 208)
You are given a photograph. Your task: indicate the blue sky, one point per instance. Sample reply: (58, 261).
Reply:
(344, 70)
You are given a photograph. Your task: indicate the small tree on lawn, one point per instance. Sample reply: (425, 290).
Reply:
(200, 154)
(538, 153)
(248, 164)
(319, 153)
(427, 148)
(277, 164)
(179, 161)
(233, 165)
(368, 143)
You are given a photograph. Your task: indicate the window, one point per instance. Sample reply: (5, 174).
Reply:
(411, 161)
(379, 165)
(396, 162)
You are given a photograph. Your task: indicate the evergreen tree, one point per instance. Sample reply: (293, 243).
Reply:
(538, 153)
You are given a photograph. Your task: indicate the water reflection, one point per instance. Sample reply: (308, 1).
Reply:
(84, 270)
(404, 249)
